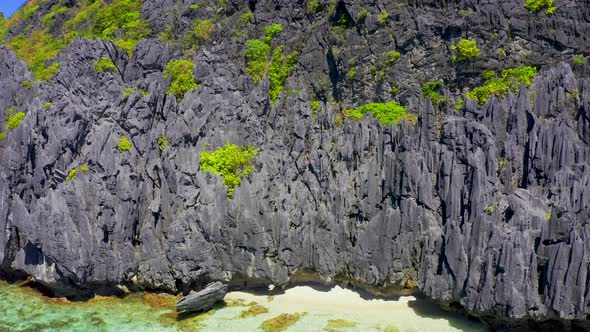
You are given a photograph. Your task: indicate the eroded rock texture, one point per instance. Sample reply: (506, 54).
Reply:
(487, 207)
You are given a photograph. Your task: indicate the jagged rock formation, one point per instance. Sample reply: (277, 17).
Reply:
(487, 207)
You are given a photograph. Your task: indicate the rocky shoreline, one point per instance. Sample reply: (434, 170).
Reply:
(479, 207)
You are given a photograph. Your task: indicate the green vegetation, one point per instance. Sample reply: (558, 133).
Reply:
(467, 50)
(36, 50)
(510, 81)
(489, 209)
(28, 12)
(281, 322)
(27, 84)
(162, 143)
(459, 104)
(105, 65)
(2, 135)
(363, 13)
(391, 57)
(260, 61)
(15, 120)
(199, 35)
(232, 162)
(579, 59)
(247, 17)
(47, 105)
(119, 21)
(432, 90)
(271, 31)
(534, 6)
(128, 91)
(383, 17)
(124, 144)
(335, 325)
(84, 168)
(72, 174)
(387, 113)
(548, 216)
(315, 106)
(313, 6)
(181, 74)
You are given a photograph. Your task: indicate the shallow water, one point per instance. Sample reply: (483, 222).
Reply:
(23, 309)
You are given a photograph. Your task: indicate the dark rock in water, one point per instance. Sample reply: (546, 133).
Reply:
(202, 300)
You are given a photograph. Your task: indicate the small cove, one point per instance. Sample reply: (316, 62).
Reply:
(300, 308)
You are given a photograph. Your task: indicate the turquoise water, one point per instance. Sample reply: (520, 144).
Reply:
(298, 309)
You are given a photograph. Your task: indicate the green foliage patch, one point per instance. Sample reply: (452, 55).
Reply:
(432, 90)
(162, 143)
(199, 35)
(232, 162)
(534, 6)
(387, 113)
(72, 175)
(509, 82)
(36, 50)
(105, 65)
(260, 61)
(466, 49)
(181, 74)
(128, 91)
(124, 144)
(119, 21)
(15, 120)
(579, 59)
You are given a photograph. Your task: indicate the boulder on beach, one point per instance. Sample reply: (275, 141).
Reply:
(202, 300)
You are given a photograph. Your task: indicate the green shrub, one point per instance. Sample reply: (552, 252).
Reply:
(467, 50)
(271, 31)
(232, 162)
(72, 174)
(510, 81)
(280, 69)
(315, 106)
(259, 60)
(579, 59)
(162, 143)
(459, 104)
(489, 209)
(181, 74)
(124, 144)
(383, 17)
(432, 90)
(387, 113)
(312, 6)
(47, 105)
(119, 21)
(257, 52)
(548, 216)
(247, 17)
(15, 120)
(27, 84)
(391, 57)
(363, 13)
(128, 91)
(105, 65)
(2, 135)
(36, 50)
(534, 6)
(28, 12)
(199, 35)
(84, 168)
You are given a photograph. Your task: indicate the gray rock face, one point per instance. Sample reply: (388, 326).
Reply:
(203, 299)
(487, 207)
